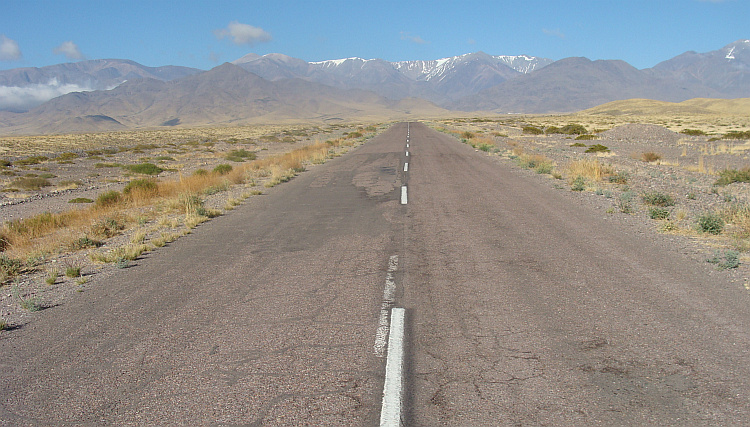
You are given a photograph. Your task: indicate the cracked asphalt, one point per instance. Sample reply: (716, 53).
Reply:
(523, 308)
(526, 309)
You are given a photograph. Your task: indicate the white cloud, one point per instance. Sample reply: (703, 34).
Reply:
(554, 33)
(413, 39)
(243, 34)
(70, 50)
(9, 50)
(15, 98)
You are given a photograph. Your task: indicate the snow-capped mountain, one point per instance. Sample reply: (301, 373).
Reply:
(441, 80)
(726, 70)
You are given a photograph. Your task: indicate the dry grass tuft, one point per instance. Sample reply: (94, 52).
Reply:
(591, 169)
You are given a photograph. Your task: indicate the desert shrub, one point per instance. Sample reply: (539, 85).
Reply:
(658, 213)
(728, 176)
(625, 202)
(597, 148)
(84, 243)
(108, 198)
(30, 183)
(578, 144)
(240, 155)
(81, 200)
(650, 156)
(586, 137)
(164, 158)
(141, 185)
(223, 169)
(106, 228)
(573, 129)
(107, 165)
(736, 134)
(532, 130)
(619, 178)
(145, 169)
(33, 160)
(66, 156)
(552, 129)
(4, 163)
(9, 267)
(578, 184)
(533, 161)
(710, 223)
(351, 135)
(655, 198)
(693, 132)
(726, 260)
(200, 172)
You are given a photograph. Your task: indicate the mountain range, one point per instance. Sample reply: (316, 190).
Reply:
(119, 94)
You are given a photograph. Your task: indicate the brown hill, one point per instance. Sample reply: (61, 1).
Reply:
(224, 95)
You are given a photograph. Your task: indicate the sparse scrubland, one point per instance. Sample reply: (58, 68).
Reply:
(683, 174)
(104, 201)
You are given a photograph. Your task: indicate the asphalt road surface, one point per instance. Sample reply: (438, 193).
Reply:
(522, 308)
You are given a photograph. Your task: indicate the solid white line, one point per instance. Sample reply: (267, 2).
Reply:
(390, 411)
(404, 199)
(406, 167)
(389, 295)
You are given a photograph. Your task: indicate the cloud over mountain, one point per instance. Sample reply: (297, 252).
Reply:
(243, 34)
(70, 50)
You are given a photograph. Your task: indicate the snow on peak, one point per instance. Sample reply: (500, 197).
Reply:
(337, 62)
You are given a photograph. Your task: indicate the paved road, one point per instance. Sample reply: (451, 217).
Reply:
(522, 309)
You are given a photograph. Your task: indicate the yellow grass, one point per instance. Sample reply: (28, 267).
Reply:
(589, 168)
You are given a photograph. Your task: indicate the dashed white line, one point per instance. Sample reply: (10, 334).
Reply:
(389, 293)
(407, 154)
(406, 167)
(390, 411)
(404, 199)
(407, 145)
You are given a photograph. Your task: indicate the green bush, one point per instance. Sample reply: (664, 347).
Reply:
(692, 132)
(578, 144)
(532, 130)
(30, 183)
(552, 129)
(597, 148)
(145, 169)
(656, 198)
(619, 178)
(579, 184)
(728, 176)
(240, 155)
(33, 160)
(735, 134)
(223, 169)
(109, 198)
(726, 260)
(142, 184)
(9, 267)
(81, 200)
(586, 137)
(658, 213)
(710, 223)
(573, 129)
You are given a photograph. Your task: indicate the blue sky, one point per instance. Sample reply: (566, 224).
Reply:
(204, 34)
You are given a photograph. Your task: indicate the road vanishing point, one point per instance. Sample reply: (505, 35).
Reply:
(512, 305)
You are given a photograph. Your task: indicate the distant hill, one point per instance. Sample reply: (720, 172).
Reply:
(224, 95)
(692, 107)
(24, 88)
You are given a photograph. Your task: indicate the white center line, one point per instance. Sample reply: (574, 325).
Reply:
(407, 154)
(406, 167)
(389, 293)
(390, 411)
(403, 195)
(407, 145)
